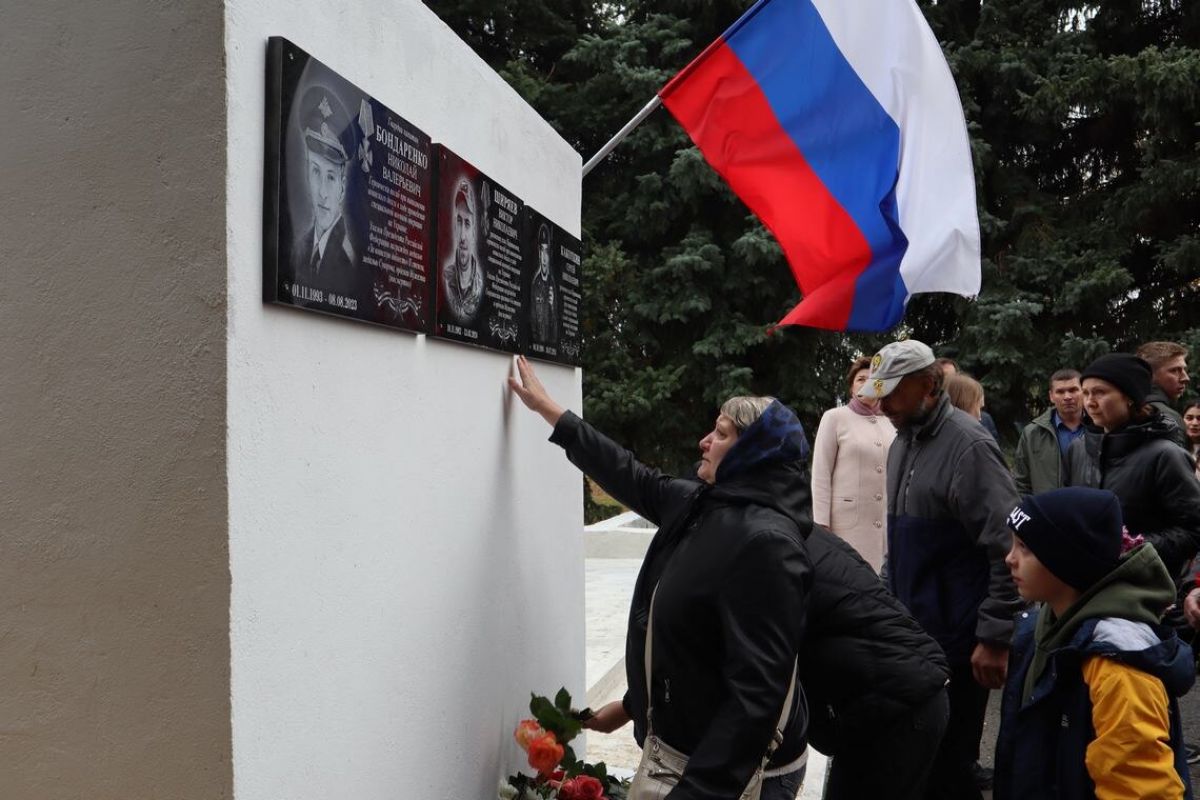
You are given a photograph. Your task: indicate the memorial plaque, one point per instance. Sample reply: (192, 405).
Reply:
(348, 198)
(478, 257)
(552, 290)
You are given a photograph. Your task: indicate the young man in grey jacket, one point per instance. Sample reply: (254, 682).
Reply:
(949, 492)
(1168, 360)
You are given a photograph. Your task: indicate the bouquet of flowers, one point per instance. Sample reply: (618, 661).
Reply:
(560, 775)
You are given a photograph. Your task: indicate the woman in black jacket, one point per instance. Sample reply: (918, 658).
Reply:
(729, 574)
(1129, 449)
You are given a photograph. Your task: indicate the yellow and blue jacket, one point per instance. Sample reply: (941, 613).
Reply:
(1090, 707)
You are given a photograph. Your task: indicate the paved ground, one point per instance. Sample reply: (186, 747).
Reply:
(609, 585)
(1189, 709)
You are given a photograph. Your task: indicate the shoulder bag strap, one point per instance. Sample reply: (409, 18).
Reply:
(649, 660)
(777, 739)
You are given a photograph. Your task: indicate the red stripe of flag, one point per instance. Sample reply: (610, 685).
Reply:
(728, 117)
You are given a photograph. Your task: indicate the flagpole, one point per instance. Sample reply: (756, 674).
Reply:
(654, 103)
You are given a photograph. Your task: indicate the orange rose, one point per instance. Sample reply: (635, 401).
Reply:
(544, 753)
(526, 732)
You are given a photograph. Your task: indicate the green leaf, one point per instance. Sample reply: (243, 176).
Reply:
(562, 700)
(570, 762)
(560, 723)
(541, 708)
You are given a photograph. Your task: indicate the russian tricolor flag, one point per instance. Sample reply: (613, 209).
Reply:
(838, 123)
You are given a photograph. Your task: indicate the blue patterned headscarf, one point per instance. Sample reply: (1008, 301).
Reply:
(776, 437)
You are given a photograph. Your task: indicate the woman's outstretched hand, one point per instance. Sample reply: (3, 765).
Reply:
(532, 393)
(610, 717)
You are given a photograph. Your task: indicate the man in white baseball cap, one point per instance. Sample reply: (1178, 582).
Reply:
(893, 364)
(949, 493)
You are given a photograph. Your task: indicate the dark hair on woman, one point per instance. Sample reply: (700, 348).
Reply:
(1194, 404)
(856, 366)
(1191, 405)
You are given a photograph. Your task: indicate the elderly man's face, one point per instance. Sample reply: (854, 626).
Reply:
(910, 400)
(464, 232)
(326, 189)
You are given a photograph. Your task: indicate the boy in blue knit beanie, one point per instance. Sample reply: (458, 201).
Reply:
(1090, 708)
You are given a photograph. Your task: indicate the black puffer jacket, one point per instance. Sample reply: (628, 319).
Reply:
(1153, 479)
(732, 573)
(865, 659)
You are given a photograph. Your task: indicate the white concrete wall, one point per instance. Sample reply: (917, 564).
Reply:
(405, 546)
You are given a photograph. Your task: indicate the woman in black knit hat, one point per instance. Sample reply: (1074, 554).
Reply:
(1128, 449)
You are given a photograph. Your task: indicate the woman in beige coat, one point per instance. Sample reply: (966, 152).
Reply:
(849, 474)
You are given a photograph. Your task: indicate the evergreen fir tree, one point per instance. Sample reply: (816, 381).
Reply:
(1084, 131)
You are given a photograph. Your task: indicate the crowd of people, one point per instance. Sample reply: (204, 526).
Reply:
(867, 599)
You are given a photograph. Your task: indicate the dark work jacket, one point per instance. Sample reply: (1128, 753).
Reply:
(732, 573)
(1158, 398)
(1152, 477)
(1038, 465)
(865, 660)
(1043, 741)
(949, 493)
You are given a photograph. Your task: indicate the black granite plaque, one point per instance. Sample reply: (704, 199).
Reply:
(478, 257)
(552, 290)
(348, 199)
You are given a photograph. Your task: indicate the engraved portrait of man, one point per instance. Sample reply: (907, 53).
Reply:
(324, 255)
(544, 294)
(462, 274)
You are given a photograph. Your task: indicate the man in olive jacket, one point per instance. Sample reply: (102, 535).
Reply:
(1042, 449)
(949, 493)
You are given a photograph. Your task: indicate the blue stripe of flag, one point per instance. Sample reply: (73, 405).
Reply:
(845, 135)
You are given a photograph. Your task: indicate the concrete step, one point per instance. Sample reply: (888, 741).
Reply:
(623, 536)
